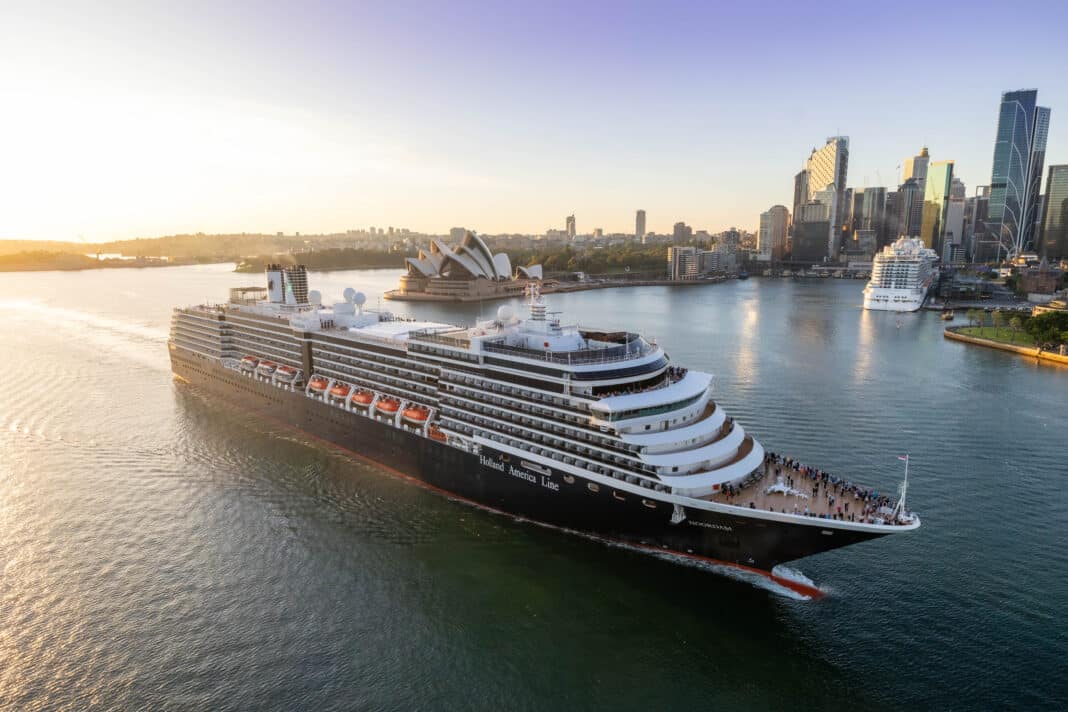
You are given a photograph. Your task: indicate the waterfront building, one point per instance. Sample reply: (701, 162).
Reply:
(1055, 214)
(682, 262)
(456, 234)
(569, 227)
(709, 261)
(861, 246)
(639, 226)
(771, 237)
(1019, 154)
(935, 201)
(465, 272)
(1042, 278)
(811, 226)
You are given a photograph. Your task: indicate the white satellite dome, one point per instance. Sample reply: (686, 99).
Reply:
(359, 298)
(349, 294)
(505, 313)
(315, 297)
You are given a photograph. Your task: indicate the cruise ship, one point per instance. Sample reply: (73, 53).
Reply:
(593, 431)
(901, 276)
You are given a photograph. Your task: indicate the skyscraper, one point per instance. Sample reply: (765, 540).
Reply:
(1055, 215)
(639, 225)
(825, 170)
(771, 237)
(935, 204)
(916, 167)
(916, 170)
(800, 190)
(892, 222)
(569, 225)
(911, 205)
(1019, 153)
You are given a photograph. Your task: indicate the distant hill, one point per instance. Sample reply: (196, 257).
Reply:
(221, 247)
(40, 260)
(322, 260)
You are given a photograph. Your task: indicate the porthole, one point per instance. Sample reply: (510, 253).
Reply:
(593, 487)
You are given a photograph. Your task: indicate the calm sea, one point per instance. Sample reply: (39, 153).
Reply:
(162, 551)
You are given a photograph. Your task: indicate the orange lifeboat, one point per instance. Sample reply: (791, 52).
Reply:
(436, 434)
(318, 384)
(249, 362)
(388, 406)
(267, 367)
(363, 398)
(285, 372)
(416, 413)
(340, 391)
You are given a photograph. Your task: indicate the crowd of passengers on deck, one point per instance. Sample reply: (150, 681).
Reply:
(673, 374)
(835, 491)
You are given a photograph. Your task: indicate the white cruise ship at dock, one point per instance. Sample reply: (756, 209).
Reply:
(901, 276)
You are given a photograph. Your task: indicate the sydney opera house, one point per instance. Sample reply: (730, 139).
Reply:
(467, 272)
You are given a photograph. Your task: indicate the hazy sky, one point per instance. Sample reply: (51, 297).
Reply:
(128, 119)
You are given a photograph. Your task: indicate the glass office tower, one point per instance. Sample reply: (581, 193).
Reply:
(1055, 219)
(935, 200)
(1019, 152)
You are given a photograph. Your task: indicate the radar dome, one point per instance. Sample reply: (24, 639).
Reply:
(348, 294)
(358, 298)
(504, 314)
(315, 297)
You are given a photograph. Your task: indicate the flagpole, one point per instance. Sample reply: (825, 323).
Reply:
(905, 487)
(900, 508)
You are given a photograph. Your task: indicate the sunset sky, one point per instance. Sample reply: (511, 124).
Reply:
(141, 119)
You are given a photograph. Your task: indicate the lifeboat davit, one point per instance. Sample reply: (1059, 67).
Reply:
(416, 413)
(363, 398)
(436, 434)
(389, 406)
(285, 372)
(267, 367)
(249, 362)
(340, 391)
(318, 384)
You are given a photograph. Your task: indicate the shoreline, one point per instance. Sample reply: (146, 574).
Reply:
(1030, 351)
(560, 288)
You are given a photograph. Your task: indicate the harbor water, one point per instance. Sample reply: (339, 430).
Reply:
(160, 550)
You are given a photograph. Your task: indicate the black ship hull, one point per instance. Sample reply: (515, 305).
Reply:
(510, 485)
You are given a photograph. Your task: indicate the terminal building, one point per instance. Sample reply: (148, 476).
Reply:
(467, 272)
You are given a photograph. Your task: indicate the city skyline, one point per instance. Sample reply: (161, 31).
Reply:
(156, 121)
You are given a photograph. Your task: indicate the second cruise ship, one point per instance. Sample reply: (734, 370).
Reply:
(902, 276)
(591, 430)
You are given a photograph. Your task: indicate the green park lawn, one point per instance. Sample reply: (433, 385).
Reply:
(1004, 335)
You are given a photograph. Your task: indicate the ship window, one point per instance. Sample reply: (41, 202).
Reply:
(593, 487)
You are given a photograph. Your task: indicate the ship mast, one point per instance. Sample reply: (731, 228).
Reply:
(900, 508)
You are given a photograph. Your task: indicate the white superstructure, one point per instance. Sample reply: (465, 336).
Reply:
(901, 276)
